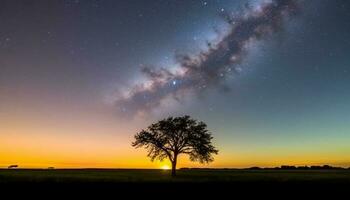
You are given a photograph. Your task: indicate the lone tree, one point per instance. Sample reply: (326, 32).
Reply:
(173, 136)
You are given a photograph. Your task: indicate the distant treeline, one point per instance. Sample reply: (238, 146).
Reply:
(283, 167)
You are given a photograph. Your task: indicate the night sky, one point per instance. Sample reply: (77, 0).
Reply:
(78, 78)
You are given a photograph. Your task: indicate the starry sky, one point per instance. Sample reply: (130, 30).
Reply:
(78, 78)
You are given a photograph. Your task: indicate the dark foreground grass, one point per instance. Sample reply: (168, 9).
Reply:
(196, 182)
(163, 176)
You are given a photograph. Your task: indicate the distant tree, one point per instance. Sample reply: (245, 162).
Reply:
(173, 136)
(12, 166)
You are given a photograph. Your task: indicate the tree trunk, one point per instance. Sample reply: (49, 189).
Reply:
(173, 167)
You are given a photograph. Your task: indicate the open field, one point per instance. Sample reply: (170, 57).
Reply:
(195, 182)
(163, 176)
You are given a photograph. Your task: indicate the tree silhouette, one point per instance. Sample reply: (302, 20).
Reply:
(173, 136)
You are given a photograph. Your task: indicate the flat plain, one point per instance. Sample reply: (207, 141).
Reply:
(163, 176)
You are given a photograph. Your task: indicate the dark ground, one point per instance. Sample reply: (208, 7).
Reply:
(158, 182)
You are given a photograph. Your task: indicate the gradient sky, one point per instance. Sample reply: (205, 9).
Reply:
(78, 78)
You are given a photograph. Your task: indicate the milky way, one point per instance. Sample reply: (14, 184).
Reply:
(208, 69)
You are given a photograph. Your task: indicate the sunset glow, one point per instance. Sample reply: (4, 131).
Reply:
(165, 167)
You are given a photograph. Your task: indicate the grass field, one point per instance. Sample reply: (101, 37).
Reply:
(159, 183)
(162, 176)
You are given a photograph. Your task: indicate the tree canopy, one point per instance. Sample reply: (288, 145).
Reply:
(177, 135)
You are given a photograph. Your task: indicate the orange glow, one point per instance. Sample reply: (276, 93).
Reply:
(165, 167)
(41, 142)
